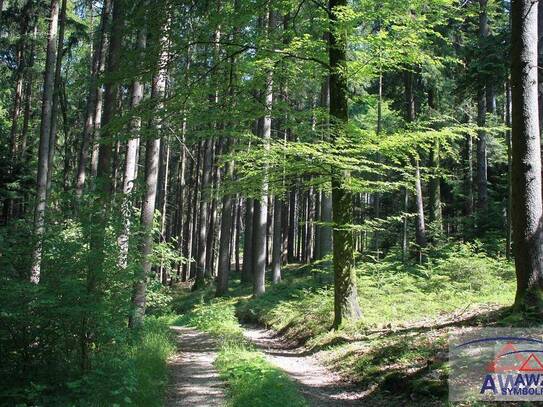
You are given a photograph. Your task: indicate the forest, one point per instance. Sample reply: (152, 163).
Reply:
(264, 202)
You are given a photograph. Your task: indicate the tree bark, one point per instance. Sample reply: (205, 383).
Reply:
(100, 213)
(508, 226)
(435, 213)
(90, 111)
(56, 93)
(152, 163)
(325, 231)
(540, 59)
(247, 265)
(28, 95)
(277, 250)
(261, 216)
(292, 222)
(131, 162)
(202, 232)
(482, 191)
(420, 230)
(420, 227)
(526, 166)
(226, 231)
(45, 131)
(260, 226)
(482, 108)
(346, 305)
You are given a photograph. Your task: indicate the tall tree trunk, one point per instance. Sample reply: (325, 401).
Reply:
(187, 227)
(68, 142)
(346, 305)
(28, 94)
(238, 233)
(508, 222)
(247, 265)
(540, 59)
(405, 238)
(45, 131)
(468, 187)
(420, 228)
(152, 163)
(19, 77)
(482, 108)
(325, 231)
(292, 208)
(325, 202)
(197, 195)
(204, 208)
(226, 231)
(260, 226)
(435, 213)
(213, 230)
(164, 182)
(100, 213)
(527, 203)
(261, 215)
(482, 190)
(21, 74)
(229, 213)
(56, 93)
(131, 162)
(90, 110)
(277, 250)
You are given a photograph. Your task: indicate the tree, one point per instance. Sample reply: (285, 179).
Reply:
(129, 179)
(152, 151)
(92, 98)
(45, 133)
(345, 293)
(261, 209)
(526, 165)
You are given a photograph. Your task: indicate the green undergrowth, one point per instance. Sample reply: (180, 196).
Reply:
(398, 350)
(136, 373)
(251, 380)
(391, 294)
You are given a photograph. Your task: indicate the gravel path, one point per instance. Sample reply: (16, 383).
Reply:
(194, 381)
(320, 386)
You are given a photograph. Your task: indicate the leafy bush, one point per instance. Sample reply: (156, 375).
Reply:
(159, 299)
(43, 327)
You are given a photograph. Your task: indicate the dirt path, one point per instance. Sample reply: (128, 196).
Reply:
(194, 381)
(320, 386)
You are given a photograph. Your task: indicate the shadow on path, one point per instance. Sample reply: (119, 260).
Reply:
(320, 386)
(194, 381)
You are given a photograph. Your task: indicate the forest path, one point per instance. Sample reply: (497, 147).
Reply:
(319, 385)
(194, 381)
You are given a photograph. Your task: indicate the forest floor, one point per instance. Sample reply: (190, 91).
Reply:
(396, 355)
(194, 381)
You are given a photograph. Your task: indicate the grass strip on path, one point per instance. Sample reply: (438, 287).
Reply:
(251, 380)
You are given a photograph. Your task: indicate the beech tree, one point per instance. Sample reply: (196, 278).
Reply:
(345, 293)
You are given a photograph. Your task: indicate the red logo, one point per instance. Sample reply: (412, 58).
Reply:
(509, 358)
